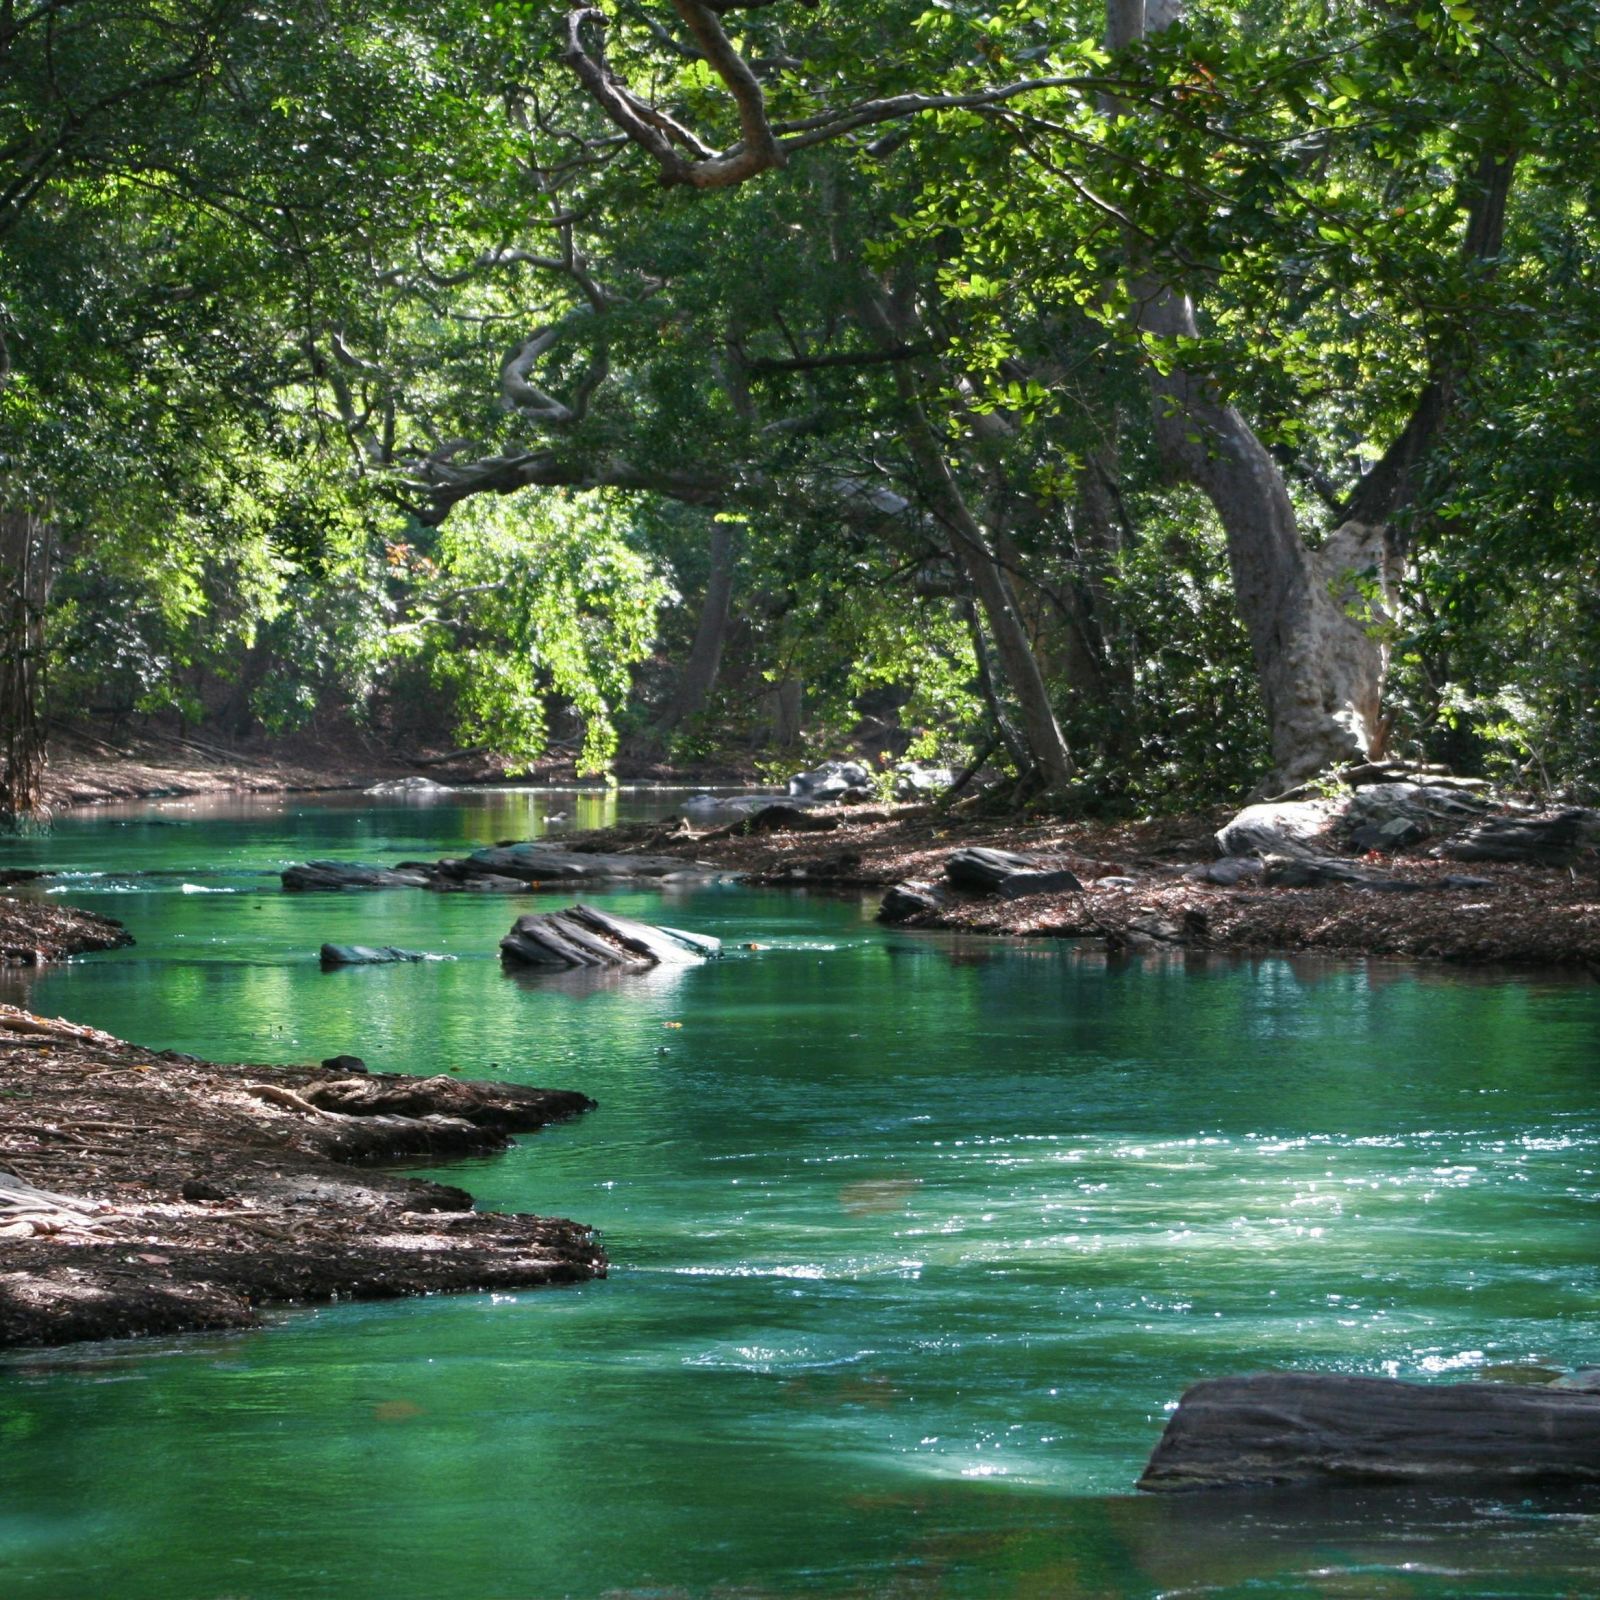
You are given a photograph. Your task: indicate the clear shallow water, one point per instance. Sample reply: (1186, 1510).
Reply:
(914, 1243)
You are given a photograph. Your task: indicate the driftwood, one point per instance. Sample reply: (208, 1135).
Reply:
(1298, 1427)
(581, 936)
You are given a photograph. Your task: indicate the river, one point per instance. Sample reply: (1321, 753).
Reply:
(915, 1241)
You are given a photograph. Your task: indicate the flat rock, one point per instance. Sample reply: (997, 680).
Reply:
(1045, 880)
(582, 936)
(1278, 1428)
(1228, 873)
(350, 875)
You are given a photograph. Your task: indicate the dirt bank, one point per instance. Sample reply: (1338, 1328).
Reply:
(154, 1193)
(35, 931)
(1518, 914)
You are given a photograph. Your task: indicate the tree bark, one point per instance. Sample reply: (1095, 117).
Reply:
(699, 674)
(27, 558)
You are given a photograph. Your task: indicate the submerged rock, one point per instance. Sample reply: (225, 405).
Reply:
(582, 936)
(367, 955)
(1297, 1427)
(535, 863)
(351, 875)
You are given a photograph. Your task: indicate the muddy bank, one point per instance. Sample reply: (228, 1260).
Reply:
(153, 1193)
(33, 932)
(1134, 894)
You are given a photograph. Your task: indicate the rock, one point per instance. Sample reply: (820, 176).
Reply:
(1585, 1380)
(536, 863)
(410, 786)
(831, 781)
(1056, 880)
(1227, 873)
(350, 875)
(367, 955)
(1554, 840)
(1317, 872)
(1297, 1427)
(581, 936)
(1398, 833)
(1287, 827)
(913, 781)
(705, 807)
(903, 902)
(344, 1064)
(1112, 880)
(781, 818)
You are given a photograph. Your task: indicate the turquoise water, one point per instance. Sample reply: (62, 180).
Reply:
(915, 1241)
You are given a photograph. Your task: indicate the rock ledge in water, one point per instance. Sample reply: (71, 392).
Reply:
(368, 955)
(581, 936)
(1298, 1427)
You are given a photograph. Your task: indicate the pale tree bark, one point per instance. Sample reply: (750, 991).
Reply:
(1316, 616)
(27, 558)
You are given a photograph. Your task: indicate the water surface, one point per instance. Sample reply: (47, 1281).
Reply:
(915, 1241)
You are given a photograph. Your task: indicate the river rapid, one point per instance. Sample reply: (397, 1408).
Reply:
(915, 1241)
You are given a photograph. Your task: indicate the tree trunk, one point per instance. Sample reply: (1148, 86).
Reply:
(699, 674)
(27, 557)
(787, 702)
(1320, 661)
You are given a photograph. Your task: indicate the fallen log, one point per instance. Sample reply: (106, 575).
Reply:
(1298, 1427)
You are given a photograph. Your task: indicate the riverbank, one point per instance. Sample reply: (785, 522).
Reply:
(33, 932)
(94, 765)
(1138, 891)
(145, 1192)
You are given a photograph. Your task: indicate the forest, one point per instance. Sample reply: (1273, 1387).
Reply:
(1164, 404)
(799, 798)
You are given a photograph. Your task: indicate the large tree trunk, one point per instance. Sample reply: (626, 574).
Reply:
(27, 556)
(1320, 659)
(1316, 617)
(699, 675)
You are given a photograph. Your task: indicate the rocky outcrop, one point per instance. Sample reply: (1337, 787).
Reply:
(582, 936)
(1553, 840)
(367, 955)
(1325, 872)
(1280, 1428)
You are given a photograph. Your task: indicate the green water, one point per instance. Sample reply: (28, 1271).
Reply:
(915, 1241)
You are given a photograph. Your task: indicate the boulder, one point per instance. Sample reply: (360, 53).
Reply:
(1323, 872)
(1298, 1427)
(582, 936)
(1280, 827)
(367, 955)
(903, 902)
(912, 781)
(350, 875)
(1553, 840)
(831, 781)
